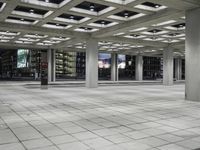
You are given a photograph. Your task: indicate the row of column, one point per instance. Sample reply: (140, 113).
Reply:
(92, 66)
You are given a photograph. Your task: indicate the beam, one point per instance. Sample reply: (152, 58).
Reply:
(40, 30)
(133, 41)
(25, 46)
(10, 5)
(59, 11)
(163, 15)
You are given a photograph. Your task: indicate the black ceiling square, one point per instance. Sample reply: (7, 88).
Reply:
(180, 25)
(103, 22)
(134, 35)
(31, 10)
(53, 1)
(91, 6)
(86, 28)
(69, 16)
(57, 24)
(150, 4)
(174, 34)
(155, 31)
(20, 19)
(126, 13)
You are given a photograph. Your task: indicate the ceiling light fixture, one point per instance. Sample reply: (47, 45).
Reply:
(31, 11)
(126, 15)
(71, 17)
(180, 26)
(91, 7)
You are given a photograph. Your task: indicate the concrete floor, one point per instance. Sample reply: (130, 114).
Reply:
(146, 117)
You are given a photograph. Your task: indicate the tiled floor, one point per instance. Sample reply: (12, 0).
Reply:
(147, 117)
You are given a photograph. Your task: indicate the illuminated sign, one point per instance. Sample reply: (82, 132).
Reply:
(22, 58)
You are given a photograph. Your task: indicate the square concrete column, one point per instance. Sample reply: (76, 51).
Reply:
(139, 68)
(168, 64)
(92, 63)
(193, 55)
(49, 60)
(51, 65)
(178, 68)
(114, 67)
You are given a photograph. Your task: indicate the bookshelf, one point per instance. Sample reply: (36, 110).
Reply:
(152, 68)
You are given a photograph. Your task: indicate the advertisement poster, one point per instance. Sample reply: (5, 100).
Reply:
(22, 58)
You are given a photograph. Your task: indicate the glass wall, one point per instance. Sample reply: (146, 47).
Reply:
(25, 64)
(21, 63)
(126, 66)
(70, 65)
(104, 65)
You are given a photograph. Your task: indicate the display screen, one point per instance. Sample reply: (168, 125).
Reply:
(104, 60)
(121, 61)
(22, 58)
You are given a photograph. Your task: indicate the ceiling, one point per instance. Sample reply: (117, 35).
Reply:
(124, 26)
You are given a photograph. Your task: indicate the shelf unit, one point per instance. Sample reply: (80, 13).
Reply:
(152, 68)
(9, 63)
(70, 64)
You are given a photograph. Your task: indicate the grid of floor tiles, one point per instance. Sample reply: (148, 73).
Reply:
(151, 117)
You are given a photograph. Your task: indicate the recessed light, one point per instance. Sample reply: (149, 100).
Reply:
(126, 15)
(92, 7)
(71, 17)
(31, 11)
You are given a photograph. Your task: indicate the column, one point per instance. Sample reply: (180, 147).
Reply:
(51, 65)
(178, 68)
(139, 68)
(168, 63)
(192, 55)
(114, 67)
(92, 63)
(49, 60)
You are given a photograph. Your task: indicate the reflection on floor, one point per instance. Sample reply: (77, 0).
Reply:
(146, 117)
